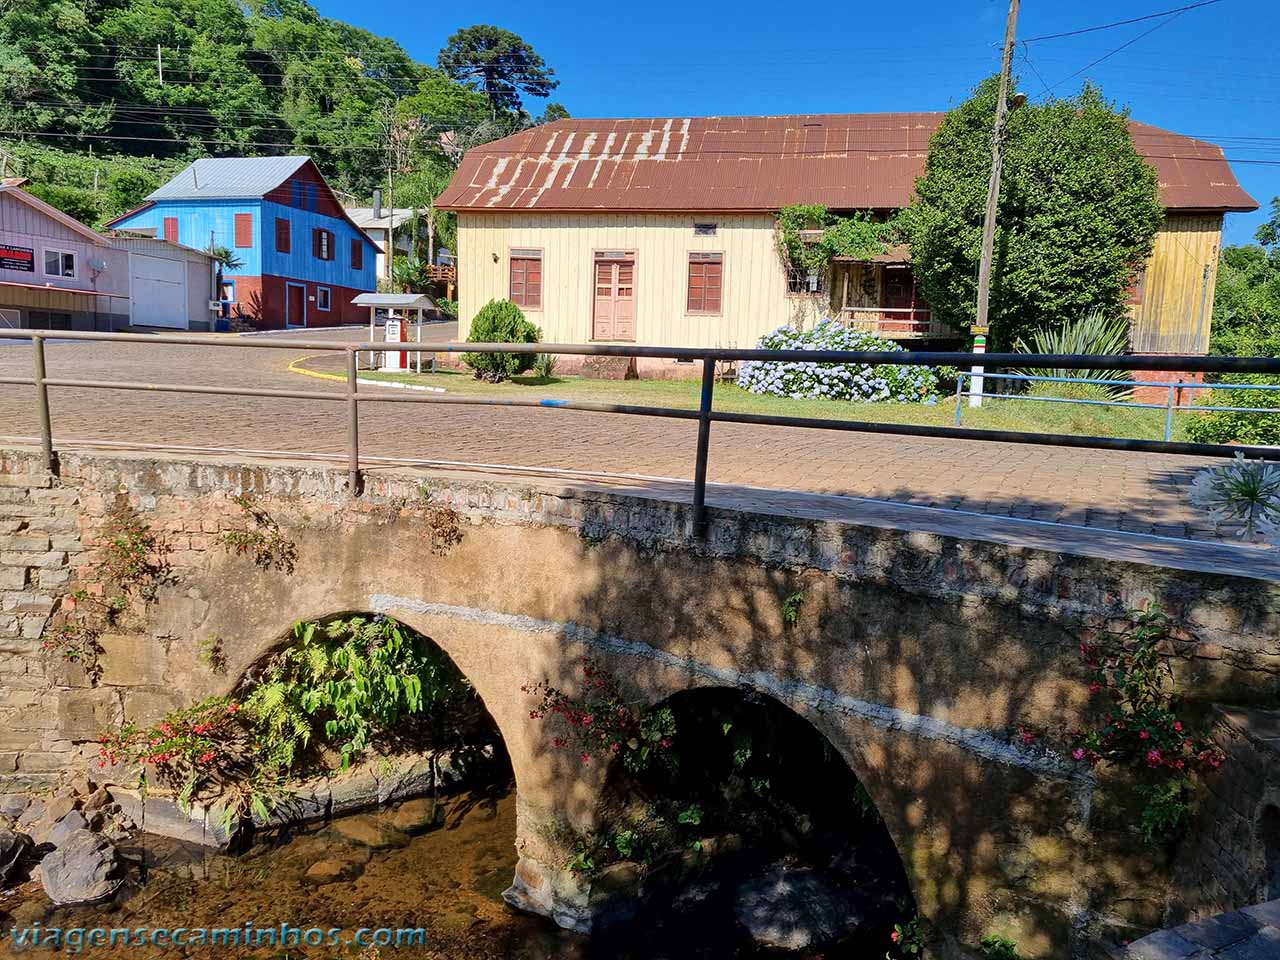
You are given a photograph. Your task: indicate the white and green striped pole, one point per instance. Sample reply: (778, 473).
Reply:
(975, 381)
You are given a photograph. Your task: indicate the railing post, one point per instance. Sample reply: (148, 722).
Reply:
(353, 427)
(959, 395)
(1168, 413)
(704, 443)
(42, 404)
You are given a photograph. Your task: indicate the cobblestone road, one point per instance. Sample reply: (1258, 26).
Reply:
(1143, 493)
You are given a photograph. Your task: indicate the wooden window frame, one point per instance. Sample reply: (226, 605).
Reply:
(527, 253)
(285, 234)
(688, 277)
(322, 242)
(357, 253)
(824, 285)
(242, 222)
(328, 304)
(62, 252)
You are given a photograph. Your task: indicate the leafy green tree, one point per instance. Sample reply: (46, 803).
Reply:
(554, 112)
(499, 64)
(78, 204)
(1246, 302)
(49, 55)
(1078, 213)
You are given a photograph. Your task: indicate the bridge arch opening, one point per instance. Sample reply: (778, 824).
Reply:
(755, 834)
(373, 688)
(1269, 828)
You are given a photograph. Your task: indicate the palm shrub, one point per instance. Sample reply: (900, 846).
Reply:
(501, 321)
(1097, 333)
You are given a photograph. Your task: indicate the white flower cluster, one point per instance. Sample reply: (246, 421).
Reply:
(860, 383)
(1244, 492)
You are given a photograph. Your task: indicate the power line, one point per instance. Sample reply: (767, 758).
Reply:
(1121, 23)
(489, 153)
(1123, 46)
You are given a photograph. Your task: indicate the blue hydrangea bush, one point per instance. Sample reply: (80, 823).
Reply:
(856, 382)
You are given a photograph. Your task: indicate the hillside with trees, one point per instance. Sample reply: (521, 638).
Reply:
(103, 100)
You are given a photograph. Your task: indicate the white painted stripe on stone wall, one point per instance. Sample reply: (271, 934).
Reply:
(977, 742)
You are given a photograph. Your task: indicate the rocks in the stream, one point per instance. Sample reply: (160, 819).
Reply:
(370, 830)
(14, 849)
(416, 816)
(332, 871)
(795, 909)
(85, 869)
(34, 811)
(60, 831)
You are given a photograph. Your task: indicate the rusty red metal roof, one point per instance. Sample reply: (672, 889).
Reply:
(850, 161)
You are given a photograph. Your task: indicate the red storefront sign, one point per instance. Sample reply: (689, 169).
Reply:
(17, 258)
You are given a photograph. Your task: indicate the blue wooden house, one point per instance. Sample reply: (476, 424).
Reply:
(302, 258)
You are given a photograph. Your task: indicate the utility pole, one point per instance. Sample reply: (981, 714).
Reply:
(159, 64)
(981, 326)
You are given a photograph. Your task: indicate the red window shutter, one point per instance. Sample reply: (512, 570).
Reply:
(283, 237)
(706, 275)
(171, 229)
(714, 274)
(315, 242)
(357, 254)
(243, 229)
(525, 284)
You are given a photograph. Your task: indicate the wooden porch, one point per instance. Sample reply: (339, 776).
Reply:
(881, 296)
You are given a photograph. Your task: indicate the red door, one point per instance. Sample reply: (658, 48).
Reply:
(900, 298)
(295, 307)
(614, 316)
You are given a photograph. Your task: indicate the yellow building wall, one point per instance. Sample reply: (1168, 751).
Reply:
(755, 298)
(1168, 320)
(1177, 293)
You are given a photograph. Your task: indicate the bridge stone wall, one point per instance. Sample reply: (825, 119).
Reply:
(916, 655)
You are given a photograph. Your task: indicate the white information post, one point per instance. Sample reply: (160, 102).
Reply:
(394, 360)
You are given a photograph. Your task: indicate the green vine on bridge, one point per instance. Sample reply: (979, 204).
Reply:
(262, 539)
(129, 568)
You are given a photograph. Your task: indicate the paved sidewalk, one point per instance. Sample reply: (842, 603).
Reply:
(1141, 493)
(1249, 934)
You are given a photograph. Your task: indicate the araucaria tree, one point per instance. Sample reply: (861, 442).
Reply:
(499, 64)
(1078, 213)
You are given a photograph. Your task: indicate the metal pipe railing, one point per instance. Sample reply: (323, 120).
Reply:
(1170, 406)
(705, 415)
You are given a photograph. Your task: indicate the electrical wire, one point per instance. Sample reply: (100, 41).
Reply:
(1121, 23)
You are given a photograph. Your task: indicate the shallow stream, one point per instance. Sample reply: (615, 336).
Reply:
(446, 882)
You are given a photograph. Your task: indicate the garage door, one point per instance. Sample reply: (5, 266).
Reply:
(159, 292)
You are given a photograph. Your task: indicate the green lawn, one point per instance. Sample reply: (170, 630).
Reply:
(1002, 414)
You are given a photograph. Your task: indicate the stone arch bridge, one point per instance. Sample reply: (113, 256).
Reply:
(917, 653)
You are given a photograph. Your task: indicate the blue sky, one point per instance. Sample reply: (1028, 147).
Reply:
(1213, 72)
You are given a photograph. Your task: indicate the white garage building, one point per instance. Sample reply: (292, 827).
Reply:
(170, 285)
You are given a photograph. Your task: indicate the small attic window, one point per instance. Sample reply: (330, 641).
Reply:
(704, 229)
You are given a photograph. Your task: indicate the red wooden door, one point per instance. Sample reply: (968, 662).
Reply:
(295, 309)
(899, 292)
(614, 317)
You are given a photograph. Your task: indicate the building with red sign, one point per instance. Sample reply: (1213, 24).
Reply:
(56, 273)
